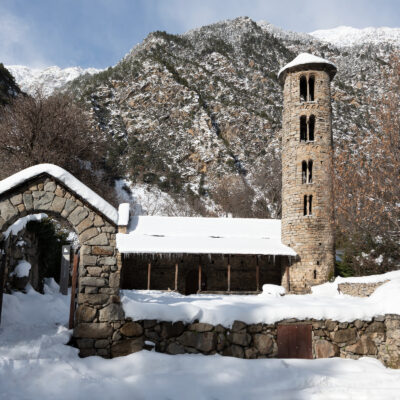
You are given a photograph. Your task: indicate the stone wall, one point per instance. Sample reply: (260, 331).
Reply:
(311, 236)
(379, 338)
(359, 289)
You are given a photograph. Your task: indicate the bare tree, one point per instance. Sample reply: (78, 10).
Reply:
(367, 187)
(52, 130)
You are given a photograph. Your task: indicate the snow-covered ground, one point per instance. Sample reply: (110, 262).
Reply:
(324, 303)
(35, 363)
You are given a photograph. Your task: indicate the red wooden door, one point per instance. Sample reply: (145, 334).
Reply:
(294, 341)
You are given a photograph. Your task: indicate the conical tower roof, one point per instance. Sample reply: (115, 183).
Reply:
(305, 61)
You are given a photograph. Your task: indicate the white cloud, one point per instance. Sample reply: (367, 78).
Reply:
(17, 43)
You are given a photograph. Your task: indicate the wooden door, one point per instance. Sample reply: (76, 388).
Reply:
(294, 341)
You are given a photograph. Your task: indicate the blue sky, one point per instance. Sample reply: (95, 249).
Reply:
(98, 33)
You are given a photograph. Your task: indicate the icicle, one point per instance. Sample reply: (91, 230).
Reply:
(209, 257)
(273, 257)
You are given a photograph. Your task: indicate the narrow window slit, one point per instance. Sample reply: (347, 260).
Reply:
(303, 88)
(303, 128)
(311, 85)
(311, 127)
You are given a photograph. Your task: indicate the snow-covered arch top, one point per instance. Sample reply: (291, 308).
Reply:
(68, 180)
(305, 60)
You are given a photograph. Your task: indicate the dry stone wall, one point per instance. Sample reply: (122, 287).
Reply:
(378, 338)
(359, 289)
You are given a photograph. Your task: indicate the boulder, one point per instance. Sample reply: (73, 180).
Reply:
(201, 327)
(93, 330)
(85, 313)
(169, 329)
(347, 336)
(125, 347)
(242, 338)
(365, 346)
(112, 312)
(263, 343)
(175, 348)
(238, 326)
(326, 349)
(132, 329)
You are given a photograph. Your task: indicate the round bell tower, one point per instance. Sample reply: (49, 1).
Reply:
(307, 168)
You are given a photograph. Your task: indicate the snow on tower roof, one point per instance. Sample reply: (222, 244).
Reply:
(68, 180)
(193, 235)
(306, 59)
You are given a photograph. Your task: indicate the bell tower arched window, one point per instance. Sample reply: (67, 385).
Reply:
(307, 128)
(303, 128)
(311, 127)
(303, 88)
(306, 171)
(307, 205)
(311, 85)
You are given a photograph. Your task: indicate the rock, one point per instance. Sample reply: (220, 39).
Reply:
(206, 341)
(49, 187)
(220, 329)
(236, 351)
(343, 325)
(58, 204)
(347, 336)
(85, 224)
(114, 280)
(87, 352)
(94, 271)
(16, 199)
(188, 339)
(92, 281)
(330, 325)
(101, 344)
(88, 260)
(93, 330)
(376, 327)
(238, 326)
(263, 343)
(28, 201)
(169, 329)
(88, 234)
(326, 349)
(99, 240)
(85, 343)
(93, 299)
(70, 205)
(365, 346)
(78, 215)
(42, 200)
(112, 312)
(103, 250)
(85, 313)
(250, 353)
(7, 210)
(254, 328)
(131, 329)
(149, 323)
(107, 260)
(175, 348)
(127, 346)
(242, 339)
(201, 327)
(358, 323)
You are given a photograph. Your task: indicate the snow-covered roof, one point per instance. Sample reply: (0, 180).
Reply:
(194, 235)
(306, 59)
(68, 180)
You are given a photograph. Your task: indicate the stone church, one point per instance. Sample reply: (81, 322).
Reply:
(206, 255)
(240, 255)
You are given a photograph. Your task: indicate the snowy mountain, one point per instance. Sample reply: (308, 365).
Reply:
(345, 36)
(47, 79)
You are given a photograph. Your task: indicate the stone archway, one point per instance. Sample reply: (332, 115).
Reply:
(50, 189)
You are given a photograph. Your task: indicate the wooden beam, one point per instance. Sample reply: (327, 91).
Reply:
(73, 291)
(257, 275)
(199, 290)
(176, 277)
(148, 275)
(229, 274)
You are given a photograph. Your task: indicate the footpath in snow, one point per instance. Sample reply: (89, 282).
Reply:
(325, 302)
(35, 363)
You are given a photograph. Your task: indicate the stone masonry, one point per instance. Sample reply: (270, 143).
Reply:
(99, 310)
(311, 236)
(378, 338)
